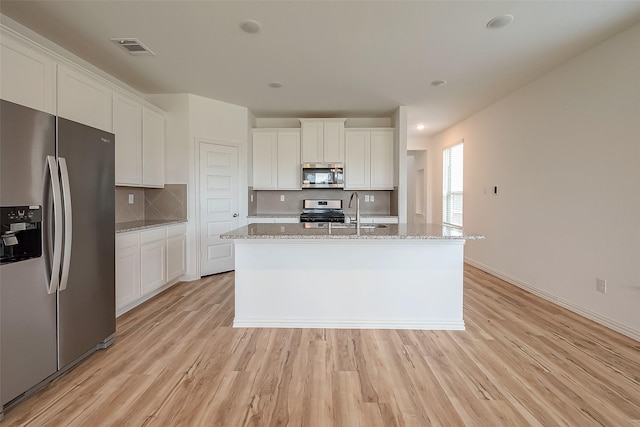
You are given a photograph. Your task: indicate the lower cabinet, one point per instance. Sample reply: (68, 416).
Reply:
(127, 268)
(153, 259)
(273, 220)
(147, 262)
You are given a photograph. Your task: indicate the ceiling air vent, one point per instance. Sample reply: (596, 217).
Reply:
(133, 46)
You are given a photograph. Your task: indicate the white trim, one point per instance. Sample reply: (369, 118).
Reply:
(122, 310)
(252, 322)
(584, 312)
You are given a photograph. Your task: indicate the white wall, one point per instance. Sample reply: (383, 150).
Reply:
(400, 160)
(564, 152)
(191, 118)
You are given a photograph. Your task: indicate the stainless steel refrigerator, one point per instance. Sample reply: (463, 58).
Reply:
(57, 242)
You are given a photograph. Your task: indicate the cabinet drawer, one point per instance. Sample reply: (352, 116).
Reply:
(154, 234)
(176, 230)
(127, 240)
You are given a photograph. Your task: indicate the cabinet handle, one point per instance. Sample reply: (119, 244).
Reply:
(235, 215)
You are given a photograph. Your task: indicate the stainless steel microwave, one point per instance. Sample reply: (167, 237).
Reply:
(322, 175)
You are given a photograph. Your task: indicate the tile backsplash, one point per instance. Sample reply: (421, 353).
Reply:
(268, 202)
(169, 203)
(126, 212)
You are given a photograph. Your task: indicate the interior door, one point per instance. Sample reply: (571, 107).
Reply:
(219, 201)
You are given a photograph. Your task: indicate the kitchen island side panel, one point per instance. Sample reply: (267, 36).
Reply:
(398, 284)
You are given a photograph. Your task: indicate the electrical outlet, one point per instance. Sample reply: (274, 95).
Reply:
(252, 198)
(282, 197)
(130, 199)
(366, 197)
(372, 198)
(601, 285)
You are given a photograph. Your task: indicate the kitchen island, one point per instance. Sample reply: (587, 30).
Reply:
(395, 276)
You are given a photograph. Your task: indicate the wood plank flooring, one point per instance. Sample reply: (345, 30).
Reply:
(178, 362)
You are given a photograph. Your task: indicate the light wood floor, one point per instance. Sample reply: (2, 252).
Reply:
(178, 361)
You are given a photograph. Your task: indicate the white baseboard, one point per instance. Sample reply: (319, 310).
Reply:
(347, 324)
(596, 317)
(122, 310)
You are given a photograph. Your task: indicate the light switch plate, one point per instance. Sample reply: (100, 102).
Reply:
(130, 199)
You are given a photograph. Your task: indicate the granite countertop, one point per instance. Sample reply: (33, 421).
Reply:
(124, 227)
(388, 231)
(274, 215)
(297, 215)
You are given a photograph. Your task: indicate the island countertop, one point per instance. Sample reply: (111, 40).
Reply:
(342, 231)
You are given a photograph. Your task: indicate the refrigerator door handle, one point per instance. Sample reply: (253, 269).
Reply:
(54, 281)
(68, 223)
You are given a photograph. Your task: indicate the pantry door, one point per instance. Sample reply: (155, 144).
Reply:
(219, 202)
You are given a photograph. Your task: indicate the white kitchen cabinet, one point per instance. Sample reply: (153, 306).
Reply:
(148, 262)
(176, 251)
(322, 140)
(382, 160)
(379, 220)
(369, 159)
(153, 259)
(293, 219)
(127, 268)
(265, 160)
(127, 126)
(140, 141)
(276, 159)
(288, 165)
(84, 99)
(27, 77)
(153, 142)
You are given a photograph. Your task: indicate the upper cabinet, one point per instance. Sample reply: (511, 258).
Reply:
(322, 140)
(84, 99)
(369, 162)
(153, 141)
(127, 126)
(276, 159)
(140, 143)
(27, 77)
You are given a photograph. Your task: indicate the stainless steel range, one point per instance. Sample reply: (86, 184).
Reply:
(314, 210)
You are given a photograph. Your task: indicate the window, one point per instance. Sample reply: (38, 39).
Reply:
(452, 185)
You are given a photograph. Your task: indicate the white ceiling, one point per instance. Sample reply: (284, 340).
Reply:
(334, 58)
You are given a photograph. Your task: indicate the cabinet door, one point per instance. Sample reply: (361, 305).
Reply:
(27, 77)
(153, 264)
(333, 149)
(265, 160)
(176, 256)
(382, 170)
(152, 148)
(357, 160)
(312, 142)
(289, 161)
(127, 126)
(287, 220)
(84, 99)
(127, 276)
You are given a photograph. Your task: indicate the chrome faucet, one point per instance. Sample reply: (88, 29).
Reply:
(357, 210)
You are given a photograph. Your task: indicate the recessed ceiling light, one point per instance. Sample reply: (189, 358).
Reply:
(420, 126)
(438, 83)
(500, 21)
(275, 85)
(250, 26)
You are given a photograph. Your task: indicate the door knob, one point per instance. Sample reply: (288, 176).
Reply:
(235, 215)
